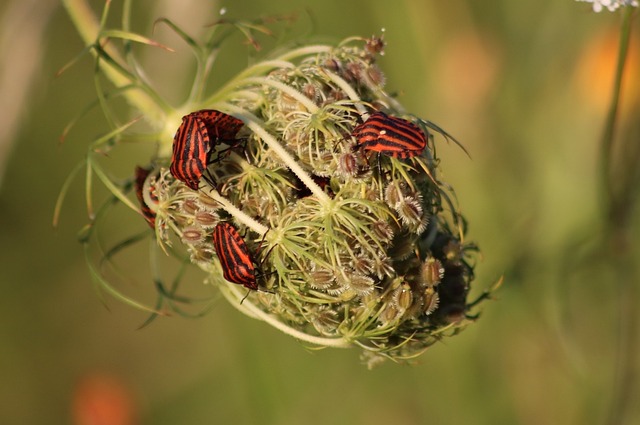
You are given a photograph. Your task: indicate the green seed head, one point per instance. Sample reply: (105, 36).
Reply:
(351, 244)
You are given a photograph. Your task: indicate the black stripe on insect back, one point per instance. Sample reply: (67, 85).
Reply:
(398, 132)
(237, 264)
(196, 138)
(196, 149)
(389, 135)
(190, 146)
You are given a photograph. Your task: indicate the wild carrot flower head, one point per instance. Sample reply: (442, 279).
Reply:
(350, 237)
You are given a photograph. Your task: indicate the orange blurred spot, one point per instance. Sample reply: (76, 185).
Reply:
(596, 69)
(102, 399)
(468, 68)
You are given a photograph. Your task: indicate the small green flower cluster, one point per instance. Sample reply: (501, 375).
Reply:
(351, 247)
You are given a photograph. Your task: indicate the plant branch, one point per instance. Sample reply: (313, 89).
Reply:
(233, 295)
(88, 27)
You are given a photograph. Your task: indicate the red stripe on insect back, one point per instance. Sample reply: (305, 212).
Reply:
(147, 212)
(196, 138)
(237, 265)
(190, 149)
(389, 135)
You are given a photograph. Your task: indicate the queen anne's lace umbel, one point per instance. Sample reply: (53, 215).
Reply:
(333, 227)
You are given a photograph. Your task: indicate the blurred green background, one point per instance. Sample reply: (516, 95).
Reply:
(524, 85)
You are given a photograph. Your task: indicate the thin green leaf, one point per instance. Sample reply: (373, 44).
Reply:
(117, 92)
(448, 137)
(172, 298)
(111, 135)
(101, 53)
(153, 315)
(105, 13)
(248, 26)
(169, 297)
(102, 100)
(126, 15)
(201, 54)
(129, 75)
(88, 187)
(103, 284)
(63, 192)
(109, 254)
(183, 35)
(130, 36)
(246, 30)
(183, 313)
(73, 61)
(85, 232)
(114, 189)
(85, 236)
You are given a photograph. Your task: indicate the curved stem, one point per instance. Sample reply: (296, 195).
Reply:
(290, 91)
(282, 61)
(619, 201)
(232, 293)
(256, 125)
(357, 102)
(237, 213)
(259, 68)
(305, 51)
(610, 123)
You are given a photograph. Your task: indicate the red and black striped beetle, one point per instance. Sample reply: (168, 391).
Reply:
(389, 135)
(237, 264)
(195, 139)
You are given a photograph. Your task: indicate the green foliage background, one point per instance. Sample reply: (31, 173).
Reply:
(515, 81)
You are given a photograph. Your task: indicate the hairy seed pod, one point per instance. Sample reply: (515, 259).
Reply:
(403, 297)
(431, 271)
(192, 235)
(361, 285)
(206, 219)
(430, 300)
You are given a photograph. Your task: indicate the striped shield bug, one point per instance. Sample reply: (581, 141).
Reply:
(195, 140)
(147, 212)
(237, 264)
(389, 135)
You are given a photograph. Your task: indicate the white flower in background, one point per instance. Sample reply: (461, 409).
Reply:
(612, 5)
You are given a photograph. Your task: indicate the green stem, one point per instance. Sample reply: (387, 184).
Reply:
(619, 203)
(626, 272)
(261, 68)
(288, 90)
(607, 141)
(305, 51)
(257, 69)
(234, 296)
(233, 210)
(256, 125)
(340, 82)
